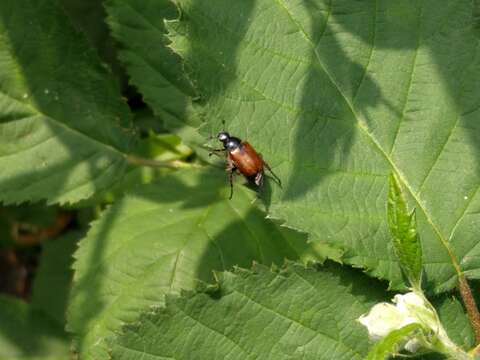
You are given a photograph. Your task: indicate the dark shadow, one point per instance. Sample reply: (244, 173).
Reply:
(191, 195)
(85, 300)
(328, 129)
(36, 328)
(248, 238)
(32, 333)
(220, 65)
(324, 127)
(425, 32)
(89, 16)
(222, 61)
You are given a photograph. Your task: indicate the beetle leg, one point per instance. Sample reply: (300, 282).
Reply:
(231, 171)
(259, 179)
(231, 168)
(276, 178)
(230, 165)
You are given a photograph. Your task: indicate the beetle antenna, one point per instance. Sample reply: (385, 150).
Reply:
(276, 179)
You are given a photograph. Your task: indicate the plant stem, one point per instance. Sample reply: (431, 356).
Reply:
(470, 305)
(173, 164)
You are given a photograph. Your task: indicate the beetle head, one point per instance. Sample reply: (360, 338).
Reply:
(223, 136)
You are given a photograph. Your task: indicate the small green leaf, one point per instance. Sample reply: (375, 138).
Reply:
(163, 237)
(390, 344)
(403, 227)
(295, 313)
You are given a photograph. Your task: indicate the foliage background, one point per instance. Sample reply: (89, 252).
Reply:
(335, 94)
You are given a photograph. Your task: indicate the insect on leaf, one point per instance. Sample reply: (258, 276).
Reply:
(336, 95)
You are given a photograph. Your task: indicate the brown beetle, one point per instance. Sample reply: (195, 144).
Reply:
(242, 157)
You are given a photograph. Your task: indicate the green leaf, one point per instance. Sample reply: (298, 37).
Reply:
(296, 313)
(235, 315)
(28, 334)
(390, 344)
(453, 317)
(54, 275)
(64, 130)
(403, 227)
(476, 17)
(336, 95)
(161, 238)
(154, 69)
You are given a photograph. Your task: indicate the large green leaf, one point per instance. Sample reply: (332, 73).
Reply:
(161, 238)
(296, 313)
(337, 94)
(64, 129)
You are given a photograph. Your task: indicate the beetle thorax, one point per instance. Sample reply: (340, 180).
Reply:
(230, 143)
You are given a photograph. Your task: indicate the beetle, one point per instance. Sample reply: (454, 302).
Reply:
(242, 158)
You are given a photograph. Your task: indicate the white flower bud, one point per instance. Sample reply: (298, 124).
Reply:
(410, 308)
(383, 318)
